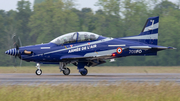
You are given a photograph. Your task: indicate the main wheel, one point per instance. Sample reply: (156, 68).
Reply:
(66, 71)
(38, 72)
(84, 72)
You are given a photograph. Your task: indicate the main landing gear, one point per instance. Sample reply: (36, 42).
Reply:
(66, 71)
(84, 72)
(38, 71)
(80, 66)
(62, 67)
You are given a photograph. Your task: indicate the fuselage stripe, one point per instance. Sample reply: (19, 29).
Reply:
(86, 44)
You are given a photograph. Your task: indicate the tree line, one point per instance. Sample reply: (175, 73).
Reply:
(115, 18)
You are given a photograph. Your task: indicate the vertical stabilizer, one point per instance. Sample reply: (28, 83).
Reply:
(149, 33)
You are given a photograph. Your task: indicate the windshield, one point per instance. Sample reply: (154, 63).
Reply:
(66, 38)
(72, 37)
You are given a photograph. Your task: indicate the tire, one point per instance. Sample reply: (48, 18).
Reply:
(38, 72)
(84, 72)
(66, 71)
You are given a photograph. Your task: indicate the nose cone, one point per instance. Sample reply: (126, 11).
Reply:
(7, 52)
(13, 52)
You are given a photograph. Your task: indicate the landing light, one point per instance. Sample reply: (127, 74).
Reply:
(113, 54)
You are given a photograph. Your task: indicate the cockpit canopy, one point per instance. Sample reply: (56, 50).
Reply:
(75, 37)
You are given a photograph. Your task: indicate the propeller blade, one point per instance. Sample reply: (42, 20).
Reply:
(16, 42)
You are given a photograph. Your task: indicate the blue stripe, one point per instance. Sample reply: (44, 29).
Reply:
(149, 32)
(146, 41)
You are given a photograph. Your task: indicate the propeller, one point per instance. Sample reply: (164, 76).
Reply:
(17, 43)
(15, 51)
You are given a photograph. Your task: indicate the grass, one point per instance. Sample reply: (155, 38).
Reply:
(164, 91)
(104, 69)
(124, 91)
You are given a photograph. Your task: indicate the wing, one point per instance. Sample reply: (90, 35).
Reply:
(92, 60)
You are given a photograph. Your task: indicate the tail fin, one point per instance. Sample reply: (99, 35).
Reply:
(149, 33)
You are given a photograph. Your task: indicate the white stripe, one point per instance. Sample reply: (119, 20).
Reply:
(45, 47)
(151, 36)
(100, 53)
(140, 47)
(14, 52)
(152, 27)
(116, 45)
(86, 44)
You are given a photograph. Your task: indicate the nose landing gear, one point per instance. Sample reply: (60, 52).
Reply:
(38, 71)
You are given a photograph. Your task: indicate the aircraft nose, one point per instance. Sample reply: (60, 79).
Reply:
(7, 52)
(13, 52)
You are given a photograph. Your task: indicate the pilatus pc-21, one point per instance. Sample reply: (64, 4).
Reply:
(89, 49)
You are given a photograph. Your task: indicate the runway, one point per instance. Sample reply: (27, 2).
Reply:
(91, 78)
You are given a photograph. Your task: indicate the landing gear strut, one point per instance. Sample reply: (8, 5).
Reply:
(83, 71)
(62, 67)
(38, 71)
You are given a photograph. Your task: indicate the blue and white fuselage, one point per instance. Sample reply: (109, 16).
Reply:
(89, 49)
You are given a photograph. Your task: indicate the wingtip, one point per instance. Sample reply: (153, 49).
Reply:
(172, 48)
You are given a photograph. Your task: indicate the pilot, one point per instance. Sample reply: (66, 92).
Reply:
(86, 37)
(65, 40)
(92, 37)
(71, 40)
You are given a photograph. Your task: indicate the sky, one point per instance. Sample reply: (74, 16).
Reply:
(12, 4)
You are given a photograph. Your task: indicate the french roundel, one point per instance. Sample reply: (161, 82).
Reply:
(119, 50)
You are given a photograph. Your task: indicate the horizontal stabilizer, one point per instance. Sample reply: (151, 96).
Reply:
(140, 47)
(172, 48)
(164, 48)
(148, 47)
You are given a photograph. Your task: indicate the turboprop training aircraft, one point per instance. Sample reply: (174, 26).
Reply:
(89, 49)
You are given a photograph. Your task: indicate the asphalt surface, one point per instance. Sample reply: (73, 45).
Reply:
(91, 78)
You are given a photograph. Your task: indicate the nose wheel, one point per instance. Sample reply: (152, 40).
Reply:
(38, 72)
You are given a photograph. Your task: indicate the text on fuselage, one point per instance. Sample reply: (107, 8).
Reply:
(82, 48)
(135, 51)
